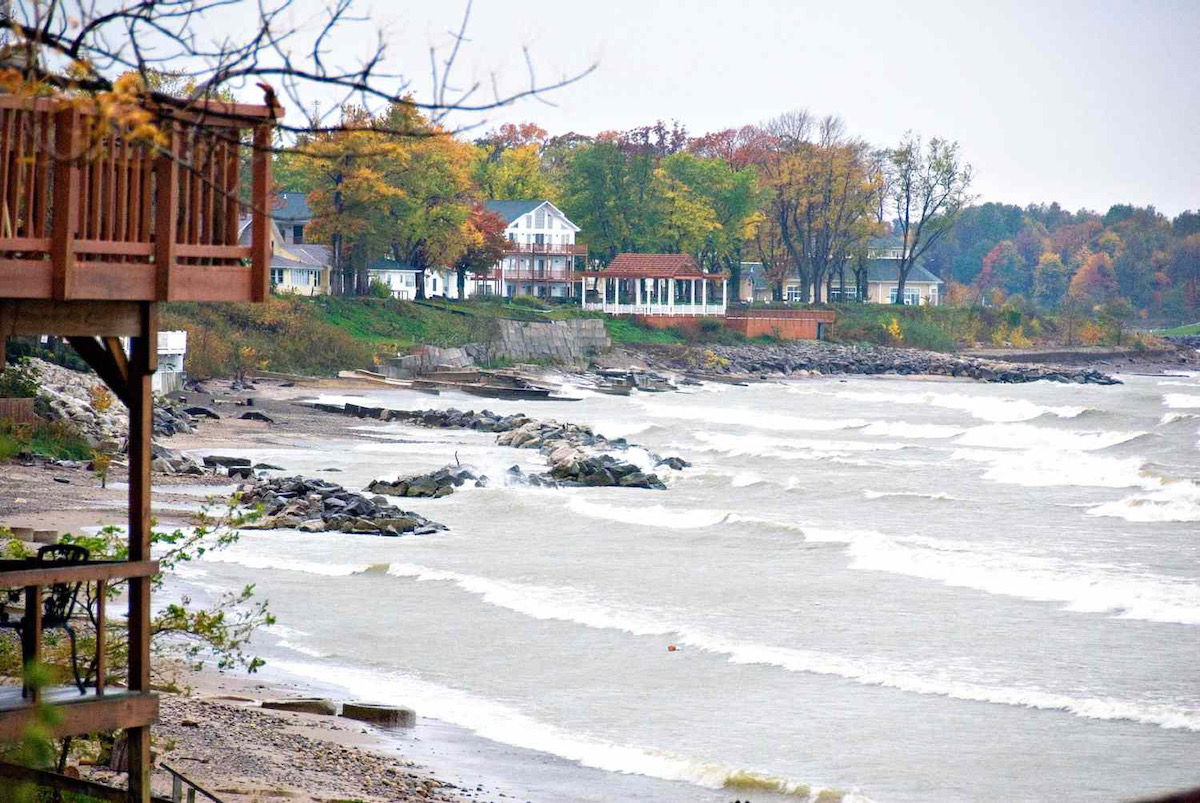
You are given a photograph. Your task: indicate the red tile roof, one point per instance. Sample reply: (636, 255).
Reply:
(656, 266)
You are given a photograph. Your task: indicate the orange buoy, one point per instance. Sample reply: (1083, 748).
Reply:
(670, 648)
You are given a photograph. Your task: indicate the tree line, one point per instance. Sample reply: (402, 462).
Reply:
(797, 193)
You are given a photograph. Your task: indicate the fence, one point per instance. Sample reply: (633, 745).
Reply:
(19, 411)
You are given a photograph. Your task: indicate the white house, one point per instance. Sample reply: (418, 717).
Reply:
(540, 257)
(401, 278)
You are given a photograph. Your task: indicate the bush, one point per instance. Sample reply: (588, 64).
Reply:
(58, 439)
(533, 302)
(380, 289)
(711, 326)
(19, 381)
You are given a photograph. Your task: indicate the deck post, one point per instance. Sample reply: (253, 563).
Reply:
(166, 210)
(65, 211)
(142, 364)
(704, 295)
(260, 284)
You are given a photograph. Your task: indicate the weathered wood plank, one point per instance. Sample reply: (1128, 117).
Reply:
(261, 223)
(84, 318)
(87, 715)
(66, 202)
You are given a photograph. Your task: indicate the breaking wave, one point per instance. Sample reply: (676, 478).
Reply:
(1181, 400)
(1174, 501)
(903, 429)
(573, 605)
(1083, 588)
(914, 494)
(787, 448)
(648, 515)
(997, 410)
(1048, 468)
(1171, 418)
(285, 564)
(1027, 436)
(505, 724)
(736, 416)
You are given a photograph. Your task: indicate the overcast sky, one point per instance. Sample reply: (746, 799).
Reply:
(1086, 103)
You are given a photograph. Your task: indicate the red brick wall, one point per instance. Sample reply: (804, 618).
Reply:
(688, 323)
(785, 324)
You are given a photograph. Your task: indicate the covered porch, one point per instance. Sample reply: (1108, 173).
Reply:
(655, 285)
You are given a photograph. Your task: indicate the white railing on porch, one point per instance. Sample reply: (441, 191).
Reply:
(655, 309)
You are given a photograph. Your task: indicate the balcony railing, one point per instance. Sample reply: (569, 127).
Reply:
(535, 275)
(655, 309)
(552, 249)
(89, 214)
(100, 708)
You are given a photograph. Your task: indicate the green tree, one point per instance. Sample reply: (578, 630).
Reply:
(1050, 280)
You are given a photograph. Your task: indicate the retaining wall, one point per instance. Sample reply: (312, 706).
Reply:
(785, 324)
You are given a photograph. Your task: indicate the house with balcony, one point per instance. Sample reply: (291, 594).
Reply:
(540, 258)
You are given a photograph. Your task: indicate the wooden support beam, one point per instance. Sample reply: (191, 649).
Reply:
(260, 226)
(66, 318)
(65, 210)
(142, 364)
(102, 361)
(84, 573)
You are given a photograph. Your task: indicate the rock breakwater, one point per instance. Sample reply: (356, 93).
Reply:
(807, 358)
(577, 455)
(312, 506)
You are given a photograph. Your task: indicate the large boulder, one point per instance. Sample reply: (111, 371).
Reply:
(382, 716)
(304, 705)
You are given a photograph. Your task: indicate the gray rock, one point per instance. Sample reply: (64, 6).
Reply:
(304, 705)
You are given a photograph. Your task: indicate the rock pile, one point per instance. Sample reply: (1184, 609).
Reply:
(435, 484)
(169, 461)
(69, 397)
(569, 448)
(314, 506)
(807, 358)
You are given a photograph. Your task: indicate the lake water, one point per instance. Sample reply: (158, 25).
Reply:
(893, 589)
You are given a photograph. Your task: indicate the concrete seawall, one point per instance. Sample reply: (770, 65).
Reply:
(573, 342)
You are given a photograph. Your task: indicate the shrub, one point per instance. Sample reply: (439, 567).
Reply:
(57, 439)
(711, 326)
(20, 381)
(533, 302)
(380, 289)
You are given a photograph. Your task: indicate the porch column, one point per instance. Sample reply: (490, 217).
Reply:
(704, 294)
(637, 292)
(724, 282)
(604, 293)
(671, 295)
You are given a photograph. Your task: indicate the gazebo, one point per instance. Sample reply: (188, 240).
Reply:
(654, 285)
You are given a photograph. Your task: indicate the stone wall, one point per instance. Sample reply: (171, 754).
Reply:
(572, 342)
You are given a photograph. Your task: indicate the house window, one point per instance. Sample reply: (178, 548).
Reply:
(276, 275)
(298, 234)
(541, 267)
(793, 294)
(912, 298)
(529, 221)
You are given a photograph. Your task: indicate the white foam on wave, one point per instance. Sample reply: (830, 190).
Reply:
(1028, 436)
(1174, 501)
(866, 673)
(737, 416)
(580, 607)
(1171, 418)
(788, 448)
(1191, 385)
(647, 515)
(914, 494)
(1036, 468)
(986, 408)
(506, 724)
(285, 564)
(1083, 588)
(1181, 400)
(904, 429)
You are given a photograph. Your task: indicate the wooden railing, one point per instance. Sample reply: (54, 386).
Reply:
(88, 214)
(86, 713)
(548, 249)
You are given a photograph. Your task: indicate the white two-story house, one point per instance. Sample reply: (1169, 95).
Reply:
(540, 259)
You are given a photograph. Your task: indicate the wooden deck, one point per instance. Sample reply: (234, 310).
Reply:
(91, 215)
